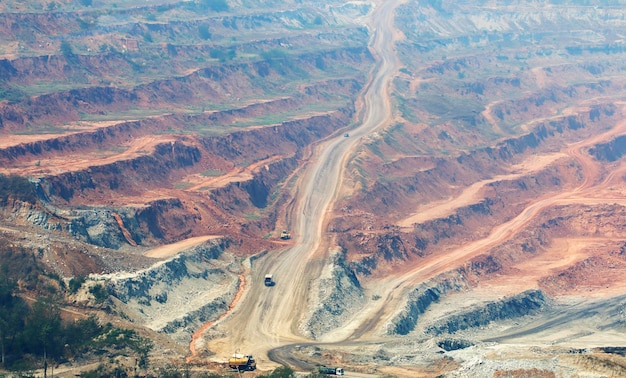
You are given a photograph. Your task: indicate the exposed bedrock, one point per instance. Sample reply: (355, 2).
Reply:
(178, 295)
(526, 303)
(610, 151)
(339, 295)
(420, 299)
(115, 227)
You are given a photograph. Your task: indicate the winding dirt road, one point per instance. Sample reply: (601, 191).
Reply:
(267, 318)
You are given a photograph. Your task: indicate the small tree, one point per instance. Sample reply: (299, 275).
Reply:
(75, 284)
(99, 293)
(13, 310)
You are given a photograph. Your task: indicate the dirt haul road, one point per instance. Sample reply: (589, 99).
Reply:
(268, 317)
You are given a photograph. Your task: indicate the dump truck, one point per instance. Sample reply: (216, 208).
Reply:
(285, 235)
(330, 370)
(242, 362)
(269, 280)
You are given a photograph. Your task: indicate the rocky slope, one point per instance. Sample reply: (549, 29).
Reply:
(178, 295)
(146, 125)
(499, 183)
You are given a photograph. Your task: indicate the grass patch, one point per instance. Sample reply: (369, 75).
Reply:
(124, 115)
(211, 173)
(50, 87)
(252, 216)
(43, 129)
(446, 107)
(406, 110)
(182, 185)
(278, 118)
(393, 135)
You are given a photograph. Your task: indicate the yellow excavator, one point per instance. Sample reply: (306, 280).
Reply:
(285, 235)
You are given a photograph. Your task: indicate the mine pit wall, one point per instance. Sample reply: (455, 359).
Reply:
(501, 203)
(237, 147)
(102, 137)
(168, 219)
(425, 295)
(124, 131)
(59, 23)
(178, 295)
(611, 151)
(544, 103)
(421, 298)
(255, 193)
(288, 138)
(479, 164)
(527, 244)
(527, 303)
(337, 296)
(396, 245)
(125, 174)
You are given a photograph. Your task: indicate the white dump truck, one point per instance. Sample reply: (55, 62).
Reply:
(330, 370)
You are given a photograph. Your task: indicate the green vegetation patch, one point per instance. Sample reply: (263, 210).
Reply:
(211, 173)
(182, 185)
(11, 94)
(28, 333)
(446, 107)
(407, 109)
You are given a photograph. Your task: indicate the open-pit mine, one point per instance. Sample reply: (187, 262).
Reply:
(385, 188)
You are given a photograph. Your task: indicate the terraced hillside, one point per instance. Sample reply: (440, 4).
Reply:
(172, 108)
(140, 125)
(452, 176)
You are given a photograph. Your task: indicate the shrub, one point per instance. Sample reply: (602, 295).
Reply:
(99, 293)
(75, 284)
(11, 94)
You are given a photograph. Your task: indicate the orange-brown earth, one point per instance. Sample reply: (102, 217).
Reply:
(493, 165)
